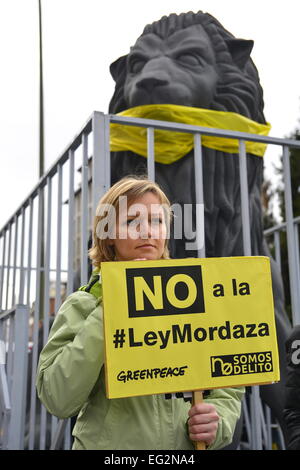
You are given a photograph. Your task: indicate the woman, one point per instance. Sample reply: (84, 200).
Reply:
(132, 223)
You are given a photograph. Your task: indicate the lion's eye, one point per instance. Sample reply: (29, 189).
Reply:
(189, 59)
(136, 65)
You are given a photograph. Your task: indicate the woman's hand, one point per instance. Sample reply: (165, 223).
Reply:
(203, 423)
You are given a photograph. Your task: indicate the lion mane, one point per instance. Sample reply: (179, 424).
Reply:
(238, 89)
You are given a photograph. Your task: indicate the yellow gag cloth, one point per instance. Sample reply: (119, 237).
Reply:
(170, 146)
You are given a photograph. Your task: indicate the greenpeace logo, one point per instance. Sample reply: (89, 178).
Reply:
(239, 364)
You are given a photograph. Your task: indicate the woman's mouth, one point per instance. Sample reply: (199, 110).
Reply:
(146, 245)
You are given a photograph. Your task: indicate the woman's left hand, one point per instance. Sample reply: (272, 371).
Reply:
(203, 423)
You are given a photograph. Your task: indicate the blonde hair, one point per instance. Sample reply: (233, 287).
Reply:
(132, 187)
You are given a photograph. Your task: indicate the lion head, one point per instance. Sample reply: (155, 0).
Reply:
(189, 59)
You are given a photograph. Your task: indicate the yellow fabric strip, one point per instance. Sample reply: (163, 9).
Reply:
(171, 145)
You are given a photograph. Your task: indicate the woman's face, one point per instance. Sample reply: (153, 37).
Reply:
(141, 229)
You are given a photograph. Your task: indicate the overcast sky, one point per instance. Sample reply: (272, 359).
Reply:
(82, 37)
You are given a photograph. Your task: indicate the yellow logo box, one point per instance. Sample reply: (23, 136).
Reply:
(188, 324)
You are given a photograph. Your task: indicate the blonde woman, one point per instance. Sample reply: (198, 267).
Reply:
(131, 223)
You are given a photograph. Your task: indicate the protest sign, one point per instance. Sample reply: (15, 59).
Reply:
(188, 324)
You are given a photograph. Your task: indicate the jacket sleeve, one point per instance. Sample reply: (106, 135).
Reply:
(228, 405)
(71, 361)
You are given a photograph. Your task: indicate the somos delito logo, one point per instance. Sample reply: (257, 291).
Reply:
(239, 364)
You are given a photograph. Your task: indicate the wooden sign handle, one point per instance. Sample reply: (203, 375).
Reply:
(198, 398)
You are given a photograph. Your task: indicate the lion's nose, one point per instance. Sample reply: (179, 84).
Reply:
(150, 83)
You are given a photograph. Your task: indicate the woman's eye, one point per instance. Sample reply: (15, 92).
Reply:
(133, 222)
(156, 221)
(189, 59)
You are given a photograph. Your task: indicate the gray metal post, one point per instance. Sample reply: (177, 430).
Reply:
(256, 434)
(37, 307)
(150, 154)
(58, 238)
(200, 229)
(43, 419)
(277, 249)
(18, 393)
(5, 405)
(58, 437)
(22, 271)
(8, 266)
(15, 254)
(2, 269)
(101, 157)
(297, 254)
(294, 287)
(29, 249)
(71, 224)
(244, 199)
(84, 212)
(58, 260)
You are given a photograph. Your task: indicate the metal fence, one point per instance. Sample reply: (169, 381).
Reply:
(37, 267)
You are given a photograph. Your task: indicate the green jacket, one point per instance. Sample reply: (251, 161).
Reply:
(70, 381)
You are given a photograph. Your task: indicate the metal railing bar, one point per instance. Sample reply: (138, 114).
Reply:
(5, 409)
(46, 306)
(297, 249)
(256, 431)
(264, 429)
(107, 165)
(58, 239)
(33, 268)
(280, 227)
(198, 164)
(2, 269)
(67, 437)
(277, 249)
(101, 157)
(29, 260)
(294, 288)
(179, 127)
(58, 260)
(7, 313)
(8, 261)
(276, 228)
(10, 325)
(16, 222)
(57, 439)
(150, 154)
(32, 415)
(71, 224)
(21, 285)
(84, 211)
(63, 158)
(163, 125)
(18, 391)
(244, 191)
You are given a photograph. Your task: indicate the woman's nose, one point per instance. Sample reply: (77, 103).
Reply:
(145, 229)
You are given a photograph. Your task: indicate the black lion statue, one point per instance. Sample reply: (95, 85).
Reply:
(192, 60)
